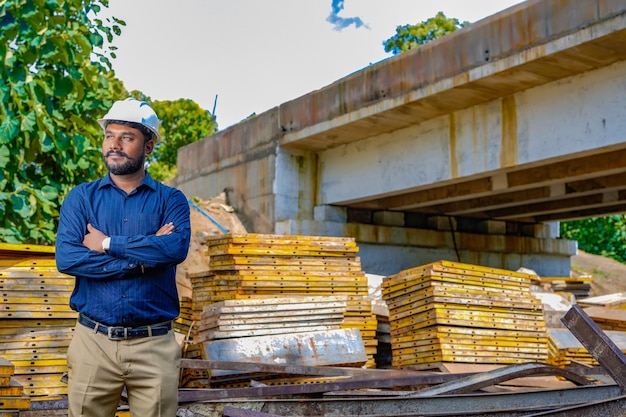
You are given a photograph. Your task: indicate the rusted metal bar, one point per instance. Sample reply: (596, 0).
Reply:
(615, 407)
(496, 376)
(499, 404)
(201, 394)
(597, 343)
(296, 369)
(474, 382)
(239, 412)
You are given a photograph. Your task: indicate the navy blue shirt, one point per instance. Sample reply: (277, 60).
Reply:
(111, 288)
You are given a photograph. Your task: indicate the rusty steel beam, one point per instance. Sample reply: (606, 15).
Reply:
(615, 407)
(496, 376)
(201, 394)
(473, 382)
(272, 368)
(461, 405)
(240, 412)
(603, 349)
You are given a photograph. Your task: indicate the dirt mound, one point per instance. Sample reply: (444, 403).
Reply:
(203, 226)
(609, 276)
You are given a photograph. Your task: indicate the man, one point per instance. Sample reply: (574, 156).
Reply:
(121, 237)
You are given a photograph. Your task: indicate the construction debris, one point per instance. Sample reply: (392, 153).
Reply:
(613, 301)
(578, 287)
(603, 349)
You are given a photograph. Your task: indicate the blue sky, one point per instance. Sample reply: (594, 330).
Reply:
(256, 54)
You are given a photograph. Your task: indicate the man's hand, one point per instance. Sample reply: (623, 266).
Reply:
(166, 229)
(93, 239)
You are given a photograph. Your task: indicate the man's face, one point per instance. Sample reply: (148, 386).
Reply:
(124, 150)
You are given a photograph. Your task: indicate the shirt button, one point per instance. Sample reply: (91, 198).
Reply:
(125, 219)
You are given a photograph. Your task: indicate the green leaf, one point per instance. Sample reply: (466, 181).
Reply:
(5, 156)
(49, 192)
(48, 50)
(29, 122)
(63, 86)
(9, 129)
(47, 144)
(20, 205)
(7, 21)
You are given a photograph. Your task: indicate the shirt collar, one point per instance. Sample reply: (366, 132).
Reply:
(147, 181)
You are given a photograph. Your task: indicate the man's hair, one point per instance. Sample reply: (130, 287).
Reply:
(147, 133)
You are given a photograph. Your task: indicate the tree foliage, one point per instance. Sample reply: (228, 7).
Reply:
(605, 236)
(53, 87)
(183, 122)
(411, 36)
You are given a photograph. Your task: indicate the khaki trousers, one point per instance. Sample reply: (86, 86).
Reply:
(99, 369)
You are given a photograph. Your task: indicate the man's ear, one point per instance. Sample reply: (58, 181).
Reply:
(149, 147)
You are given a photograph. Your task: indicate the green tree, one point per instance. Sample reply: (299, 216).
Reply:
(183, 122)
(53, 86)
(604, 236)
(411, 36)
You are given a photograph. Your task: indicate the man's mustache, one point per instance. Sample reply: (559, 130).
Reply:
(118, 153)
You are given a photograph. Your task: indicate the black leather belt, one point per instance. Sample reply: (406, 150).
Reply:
(123, 333)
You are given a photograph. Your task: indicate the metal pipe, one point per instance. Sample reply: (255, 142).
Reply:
(194, 205)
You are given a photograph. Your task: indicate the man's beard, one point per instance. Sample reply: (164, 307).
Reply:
(131, 165)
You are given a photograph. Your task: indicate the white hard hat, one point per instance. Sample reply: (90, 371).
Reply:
(132, 110)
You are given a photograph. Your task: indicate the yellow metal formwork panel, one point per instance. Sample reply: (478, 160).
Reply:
(252, 267)
(36, 322)
(454, 312)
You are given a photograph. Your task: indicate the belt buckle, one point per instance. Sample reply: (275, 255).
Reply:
(111, 336)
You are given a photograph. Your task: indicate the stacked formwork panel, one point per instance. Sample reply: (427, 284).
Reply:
(454, 312)
(12, 397)
(36, 322)
(323, 271)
